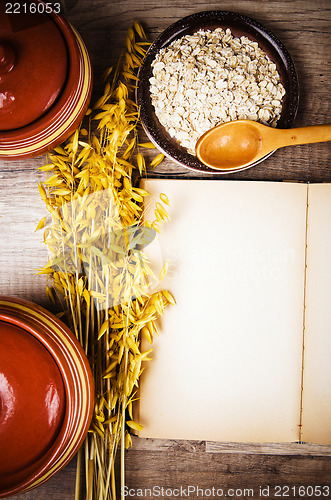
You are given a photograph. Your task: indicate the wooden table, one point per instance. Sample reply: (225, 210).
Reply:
(305, 29)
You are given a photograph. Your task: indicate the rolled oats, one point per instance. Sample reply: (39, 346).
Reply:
(211, 77)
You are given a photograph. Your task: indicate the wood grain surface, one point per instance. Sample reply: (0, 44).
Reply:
(240, 470)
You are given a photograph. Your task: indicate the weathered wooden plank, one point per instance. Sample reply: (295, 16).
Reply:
(228, 447)
(178, 470)
(22, 252)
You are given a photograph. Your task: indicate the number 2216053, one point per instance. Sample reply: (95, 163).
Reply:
(302, 491)
(32, 8)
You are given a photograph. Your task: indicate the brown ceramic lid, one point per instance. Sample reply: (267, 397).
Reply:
(32, 400)
(46, 395)
(54, 84)
(33, 67)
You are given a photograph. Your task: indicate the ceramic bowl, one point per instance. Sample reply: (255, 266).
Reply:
(240, 25)
(46, 395)
(45, 80)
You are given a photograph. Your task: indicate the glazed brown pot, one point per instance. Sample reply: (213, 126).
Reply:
(45, 80)
(46, 395)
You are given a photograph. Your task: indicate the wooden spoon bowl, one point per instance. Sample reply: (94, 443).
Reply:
(238, 144)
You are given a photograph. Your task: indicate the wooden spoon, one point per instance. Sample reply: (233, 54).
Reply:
(239, 143)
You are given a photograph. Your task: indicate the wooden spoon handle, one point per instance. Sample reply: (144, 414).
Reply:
(301, 135)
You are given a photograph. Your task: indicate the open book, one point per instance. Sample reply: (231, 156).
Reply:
(245, 355)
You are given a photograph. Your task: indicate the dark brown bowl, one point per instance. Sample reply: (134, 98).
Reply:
(239, 25)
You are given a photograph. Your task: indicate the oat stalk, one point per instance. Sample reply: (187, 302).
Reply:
(95, 233)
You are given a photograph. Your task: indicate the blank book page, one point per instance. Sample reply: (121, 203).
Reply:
(227, 362)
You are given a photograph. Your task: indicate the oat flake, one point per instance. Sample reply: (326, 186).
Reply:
(211, 77)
